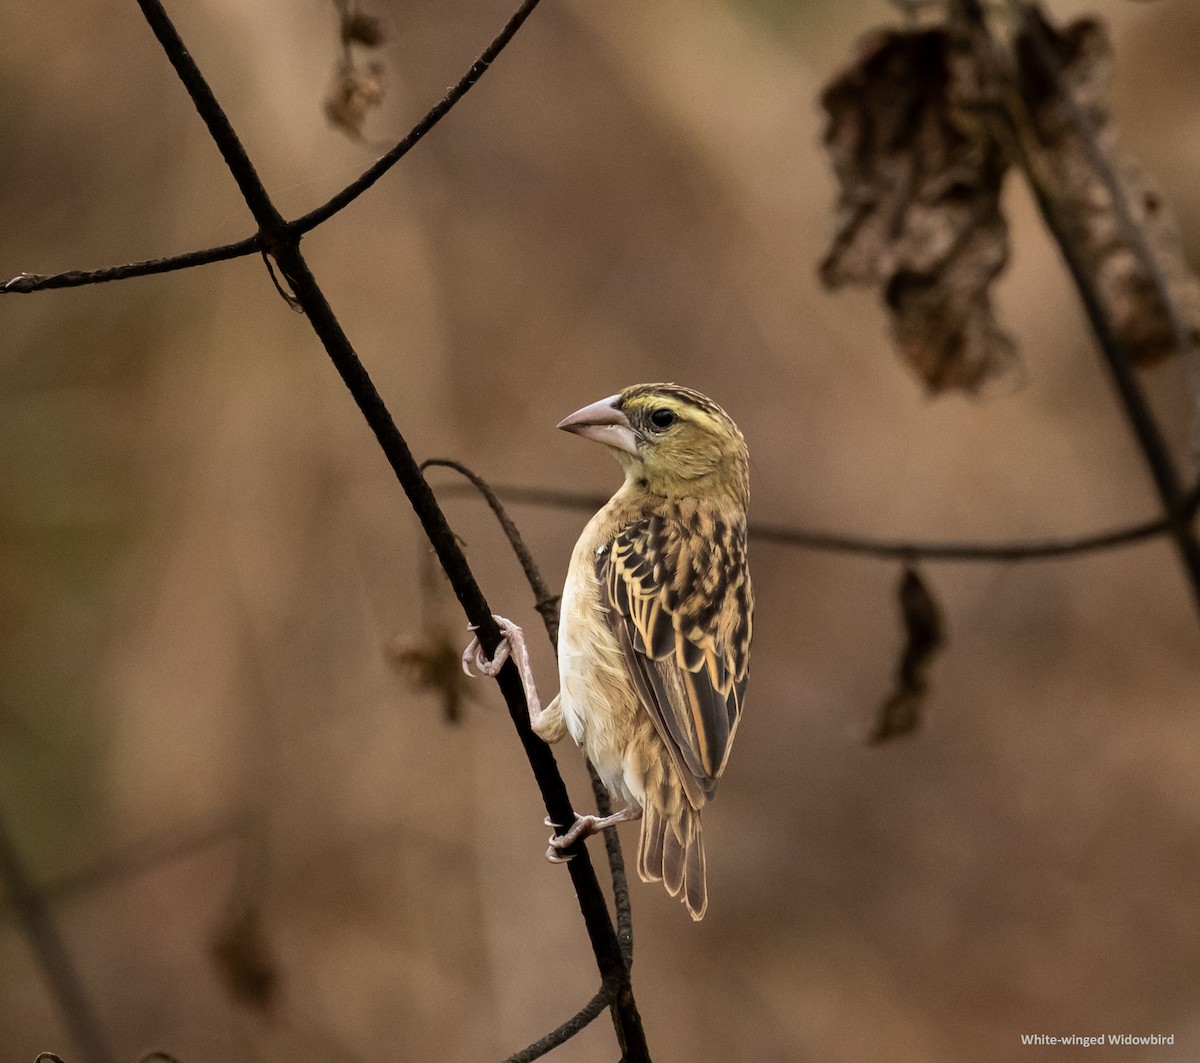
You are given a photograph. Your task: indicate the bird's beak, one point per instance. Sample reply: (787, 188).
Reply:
(604, 423)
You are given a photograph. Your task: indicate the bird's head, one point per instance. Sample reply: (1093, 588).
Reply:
(671, 441)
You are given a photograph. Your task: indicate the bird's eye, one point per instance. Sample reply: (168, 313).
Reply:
(661, 420)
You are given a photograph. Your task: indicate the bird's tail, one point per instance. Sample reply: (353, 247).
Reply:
(672, 850)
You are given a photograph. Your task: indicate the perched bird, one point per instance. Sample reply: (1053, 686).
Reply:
(655, 627)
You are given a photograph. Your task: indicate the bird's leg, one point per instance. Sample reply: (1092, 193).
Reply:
(585, 827)
(511, 645)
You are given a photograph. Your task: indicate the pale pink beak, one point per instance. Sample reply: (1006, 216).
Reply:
(604, 423)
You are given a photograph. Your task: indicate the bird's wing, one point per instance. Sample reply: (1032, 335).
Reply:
(681, 607)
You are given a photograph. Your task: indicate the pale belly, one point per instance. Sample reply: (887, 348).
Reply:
(599, 706)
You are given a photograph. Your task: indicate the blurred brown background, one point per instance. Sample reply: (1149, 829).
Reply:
(204, 557)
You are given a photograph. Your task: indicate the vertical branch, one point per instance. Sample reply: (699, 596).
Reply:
(52, 954)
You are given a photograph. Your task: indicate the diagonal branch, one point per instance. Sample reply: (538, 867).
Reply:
(561, 1034)
(544, 602)
(26, 283)
(283, 244)
(308, 222)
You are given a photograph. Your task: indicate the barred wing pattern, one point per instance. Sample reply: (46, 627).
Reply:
(681, 606)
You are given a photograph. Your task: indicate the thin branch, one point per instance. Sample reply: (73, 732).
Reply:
(545, 602)
(26, 283)
(901, 549)
(48, 945)
(547, 605)
(561, 1034)
(616, 866)
(308, 222)
(283, 245)
(271, 225)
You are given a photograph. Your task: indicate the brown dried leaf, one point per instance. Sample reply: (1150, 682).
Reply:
(244, 958)
(924, 635)
(360, 28)
(918, 211)
(357, 89)
(434, 662)
(1078, 61)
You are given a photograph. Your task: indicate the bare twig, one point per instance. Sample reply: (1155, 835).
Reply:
(561, 1034)
(901, 549)
(545, 602)
(306, 223)
(282, 241)
(48, 945)
(26, 283)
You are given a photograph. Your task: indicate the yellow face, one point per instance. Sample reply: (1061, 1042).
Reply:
(670, 439)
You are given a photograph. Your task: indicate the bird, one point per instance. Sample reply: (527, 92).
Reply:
(656, 621)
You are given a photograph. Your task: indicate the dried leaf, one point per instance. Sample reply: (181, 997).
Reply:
(356, 91)
(245, 959)
(360, 28)
(924, 636)
(1065, 78)
(918, 211)
(434, 662)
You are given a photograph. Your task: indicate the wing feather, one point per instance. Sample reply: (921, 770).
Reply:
(680, 610)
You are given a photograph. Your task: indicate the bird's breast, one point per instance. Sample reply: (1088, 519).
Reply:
(595, 694)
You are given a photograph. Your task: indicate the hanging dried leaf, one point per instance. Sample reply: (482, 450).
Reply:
(357, 89)
(434, 663)
(924, 636)
(244, 958)
(360, 28)
(918, 211)
(1065, 78)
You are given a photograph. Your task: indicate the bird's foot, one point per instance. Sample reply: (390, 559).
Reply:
(473, 656)
(585, 827)
(511, 645)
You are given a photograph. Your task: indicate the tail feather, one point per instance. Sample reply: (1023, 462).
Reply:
(674, 858)
(673, 852)
(696, 874)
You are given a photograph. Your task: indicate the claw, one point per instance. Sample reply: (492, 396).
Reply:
(473, 654)
(512, 644)
(585, 827)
